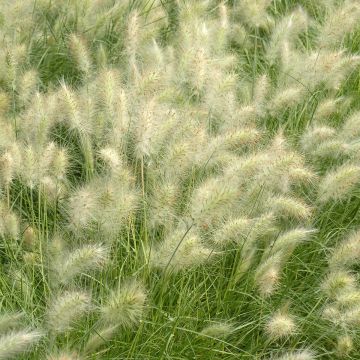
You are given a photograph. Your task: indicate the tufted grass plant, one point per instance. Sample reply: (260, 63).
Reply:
(179, 179)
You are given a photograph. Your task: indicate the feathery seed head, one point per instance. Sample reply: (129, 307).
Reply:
(351, 128)
(28, 85)
(348, 298)
(218, 330)
(125, 305)
(339, 21)
(211, 200)
(332, 314)
(287, 242)
(285, 99)
(286, 31)
(80, 53)
(179, 251)
(80, 260)
(111, 158)
(7, 168)
(338, 184)
(344, 346)
(297, 355)
(59, 164)
(233, 230)
(267, 275)
(9, 223)
(280, 325)
(338, 281)
(14, 343)
(132, 42)
(254, 13)
(315, 136)
(351, 317)
(30, 237)
(67, 309)
(327, 107)
(347, 253)
(288, 207)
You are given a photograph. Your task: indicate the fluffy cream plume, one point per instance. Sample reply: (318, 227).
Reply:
(287, 241)
(4, 107)
(328, 107)
(344, 346)
(67, 309)
(218, 330)
(73, 113)
(351, 127)
(111, 158)
(280, 325)
(261, 93)
(254, 13)
(28, 84)
(16, 56)
(82, 207)
(347, 252)
(132, 42)
(29, 171)
(244, 229)
(7, 168)
(286, 30)
(39, 118)
(212, 200)
(332, 313)
(146, 128)
(337, 281)
(59, 164)
(17, 342)
(247, 259)
(285, 99)
(78, 261)
(348, 298)
(233, 230)
(339, 21)
(51, 190)
(332, 149)
(313, 137)
(180, 250)
(9, 223)
(302, 176)
(351, 317)
(80, 53)
(338, 184)
(163, 202)
(125, 305)
(277, 171)
(288, 207)
(328, 68)
(297, 355)
(238, 140)
(116, 201)
(267, 275)
(109, 80)
(104, 204)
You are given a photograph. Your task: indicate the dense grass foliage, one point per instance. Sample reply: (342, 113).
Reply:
(179, 179)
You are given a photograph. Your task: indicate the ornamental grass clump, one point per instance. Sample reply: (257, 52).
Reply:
(179, 179)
